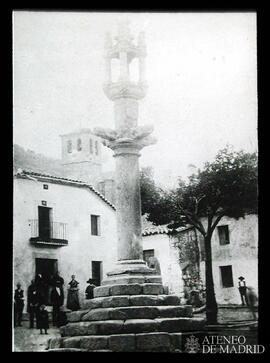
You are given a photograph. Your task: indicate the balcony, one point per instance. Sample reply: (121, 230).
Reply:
(50, 234)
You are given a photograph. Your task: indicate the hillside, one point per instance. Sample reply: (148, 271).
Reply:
(29, 160)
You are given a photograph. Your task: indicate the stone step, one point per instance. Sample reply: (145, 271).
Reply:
(141, 342)
(128, 279)
(130, 289)
(133, 312)
(130, 300)
(109, 327)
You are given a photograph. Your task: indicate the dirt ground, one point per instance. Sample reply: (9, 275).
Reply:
(30, 340)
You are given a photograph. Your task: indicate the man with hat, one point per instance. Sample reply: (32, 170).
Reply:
(57, 300)
(89, 292)
(243, 290)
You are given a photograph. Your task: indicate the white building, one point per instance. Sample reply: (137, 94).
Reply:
(158, 243)
(234, 254)
(61, 225)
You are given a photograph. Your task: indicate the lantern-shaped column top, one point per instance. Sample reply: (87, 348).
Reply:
(123, 49)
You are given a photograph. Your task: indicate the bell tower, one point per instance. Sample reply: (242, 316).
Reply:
(82, 156)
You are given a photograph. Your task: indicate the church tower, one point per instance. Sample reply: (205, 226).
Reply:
(82, 156)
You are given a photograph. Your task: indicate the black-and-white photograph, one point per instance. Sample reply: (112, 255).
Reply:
(135, 196)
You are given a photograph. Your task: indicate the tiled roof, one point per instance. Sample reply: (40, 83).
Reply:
(163, 229)
(59, 180)
(150, 230)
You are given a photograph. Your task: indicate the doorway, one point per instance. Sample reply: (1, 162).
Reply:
(97, 272)
(44, 222)
(47, 267)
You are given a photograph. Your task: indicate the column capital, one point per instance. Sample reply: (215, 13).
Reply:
(126, 140)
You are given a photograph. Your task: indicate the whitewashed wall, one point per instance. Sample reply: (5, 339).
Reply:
(241, 253)
(168, 258)
(71, 205)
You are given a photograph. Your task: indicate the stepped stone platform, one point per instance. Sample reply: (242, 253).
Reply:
(130, 312)
(134, 317)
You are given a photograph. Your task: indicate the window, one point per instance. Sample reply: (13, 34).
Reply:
(226, 276)
(69, 146)
(44, 222)
(96, 147)
(79, 144)
(223, 234)
(95, 225)
(91, 146)
(147, 254)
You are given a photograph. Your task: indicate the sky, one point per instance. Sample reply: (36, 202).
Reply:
(201, 71)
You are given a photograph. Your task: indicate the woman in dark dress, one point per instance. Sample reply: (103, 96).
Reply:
(73, 295)
(42, 319)
(18, 305)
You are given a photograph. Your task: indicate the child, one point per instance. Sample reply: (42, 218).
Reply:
(42, 319)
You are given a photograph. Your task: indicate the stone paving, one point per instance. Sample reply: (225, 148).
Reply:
(30, 340)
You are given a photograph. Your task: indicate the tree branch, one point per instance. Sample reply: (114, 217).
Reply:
(197, 201)
(209, 223)
(193, 220)
(216, 222)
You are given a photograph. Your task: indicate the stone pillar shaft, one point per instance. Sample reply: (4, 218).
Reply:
(128, 203)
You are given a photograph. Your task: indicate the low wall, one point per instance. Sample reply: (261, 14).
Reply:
(228, 313)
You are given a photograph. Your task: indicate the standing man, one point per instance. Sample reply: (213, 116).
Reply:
(18, 305)
(243, 290)
(57, 300)
(33, 302)
(58, 279)
(41, 288)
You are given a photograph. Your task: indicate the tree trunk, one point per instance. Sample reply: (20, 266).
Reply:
(211, 304)
(198, 250)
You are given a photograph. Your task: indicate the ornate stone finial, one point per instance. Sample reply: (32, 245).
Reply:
(124, 35)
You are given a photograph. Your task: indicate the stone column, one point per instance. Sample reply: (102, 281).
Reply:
(128, 201)
(126, 140)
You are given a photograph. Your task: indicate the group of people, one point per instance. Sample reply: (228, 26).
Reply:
(35, 307)
(37, 298)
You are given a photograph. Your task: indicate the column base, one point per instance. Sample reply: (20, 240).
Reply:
(131, 272)
(131, 311)
(131, 267)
